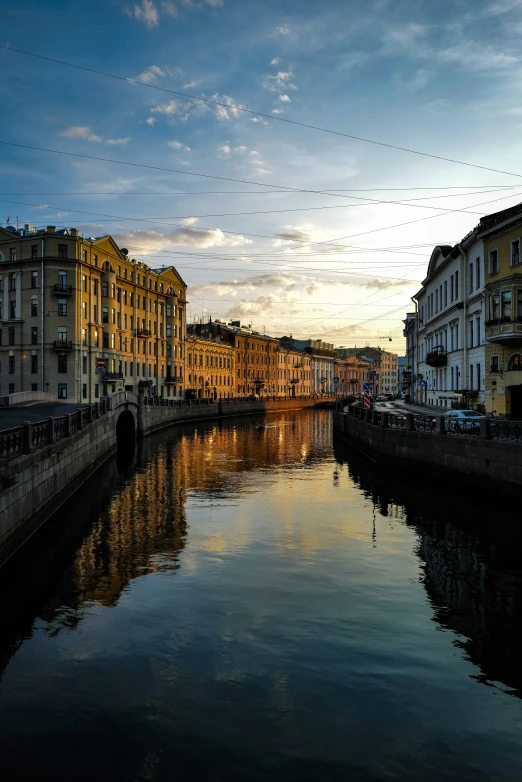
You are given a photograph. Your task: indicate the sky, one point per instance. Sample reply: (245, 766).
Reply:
(285, 227)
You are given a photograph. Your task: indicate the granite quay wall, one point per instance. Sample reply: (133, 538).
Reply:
(154, 414)
(43, 463)
(26, 396)
(490, 450)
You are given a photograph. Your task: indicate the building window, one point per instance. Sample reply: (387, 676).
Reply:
(62, 363)
(493, 262)
(11, 365)
(84, 390)
(12, 310)
(493, 363)
(62, 251)
(84, 256)
(105, 289)
(96, 391)
(105, 339)
(505, 305)
(34, 365)
(62, 307)
(95, 258)
(34, 279)
(113, 341)
(456, 286)
(34, 251)
(478, 376)
(95, 313)
(515, 252)
(12, 254)
(12, 282)
(34, 386)
(477, 273)
(113, 315)
(84, 365)
(11, 388)
(34, 335)
(62, 390)
(95, 286)
(515, 363)
(84, 336)
(470, 278)
(84, 282)
(477, 325)
(84, 308)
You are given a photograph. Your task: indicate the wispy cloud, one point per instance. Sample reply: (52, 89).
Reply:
(281, 29)
(84, 132)
(285, 99)
(474, 57)
(147, 242)
(145, 12)
(169, 8)
(150, 74)
(282, 80)
(178, 146)
(81, 131)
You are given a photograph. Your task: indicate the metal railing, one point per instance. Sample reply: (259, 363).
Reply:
(424, 423)
(501, 429)
(396, 421)
(21, 439)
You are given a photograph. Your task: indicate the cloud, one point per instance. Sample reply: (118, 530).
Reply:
(278, 111)
(150, 121)
(146, 12)
(275, 61)
(172, 107)
(146, 242)
(169, 8)
(188, 221)
(409, 38)
(282, 29)
(150, 74)
(285, 99)
(260, 120)
(177, 145)
(83, 131)
(279, 81)
(80, 131)
(187, 109)
(224, 150)
(473, 57)
(417, 82)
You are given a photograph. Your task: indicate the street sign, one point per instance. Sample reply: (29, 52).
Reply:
(423, 384)
(367, 400)
(101, 363)
(367, 387)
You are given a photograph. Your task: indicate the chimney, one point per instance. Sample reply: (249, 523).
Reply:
(51, 229)
(74, 232)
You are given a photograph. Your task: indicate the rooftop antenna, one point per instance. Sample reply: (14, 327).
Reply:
(17, 222)
(7, 221)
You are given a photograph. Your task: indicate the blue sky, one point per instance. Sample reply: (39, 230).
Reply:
(444, 78)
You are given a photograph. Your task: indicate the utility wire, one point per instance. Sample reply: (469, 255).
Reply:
(256, 113)
(254, 192)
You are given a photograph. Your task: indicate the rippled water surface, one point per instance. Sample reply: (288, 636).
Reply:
(245, 605)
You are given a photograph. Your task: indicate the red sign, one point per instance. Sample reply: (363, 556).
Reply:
(101, 363)
(367, 399)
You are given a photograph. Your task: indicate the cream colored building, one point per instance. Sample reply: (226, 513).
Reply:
(211, 368)
(67, 301)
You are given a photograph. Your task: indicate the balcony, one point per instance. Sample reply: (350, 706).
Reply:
(142, 333)
(171, 380)
(437, 357)
(112, 376)
(61, 289)
(62, 344)
(504, 330)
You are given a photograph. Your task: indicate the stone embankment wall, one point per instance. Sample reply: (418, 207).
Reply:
(430, 451)
(22, 397)
(154, 417)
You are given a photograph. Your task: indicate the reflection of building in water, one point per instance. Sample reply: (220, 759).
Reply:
(144, 528)
(472, 572)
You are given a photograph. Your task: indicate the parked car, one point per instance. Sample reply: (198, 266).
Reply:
(382, 398)
(462, 420)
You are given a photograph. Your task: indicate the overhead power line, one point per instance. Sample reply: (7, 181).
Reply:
(254, 192)
(272, 117)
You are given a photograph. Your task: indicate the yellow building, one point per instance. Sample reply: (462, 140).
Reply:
(502, 233)
(293, 372)
(67, 301)
(210, 368)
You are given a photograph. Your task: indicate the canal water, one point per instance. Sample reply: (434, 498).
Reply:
(233, 604)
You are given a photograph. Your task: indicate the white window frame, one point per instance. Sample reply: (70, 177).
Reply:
(490, 269)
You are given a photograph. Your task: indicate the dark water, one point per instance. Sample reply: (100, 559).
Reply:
(238, 605)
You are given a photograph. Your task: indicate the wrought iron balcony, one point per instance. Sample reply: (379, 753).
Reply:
(61, 289)
(62, 344)
(113, 376)
(170, 380)
(142, 333)
(437, 357)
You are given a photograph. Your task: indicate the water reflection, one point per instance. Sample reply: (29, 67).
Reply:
(236, 604)
(469, 547)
